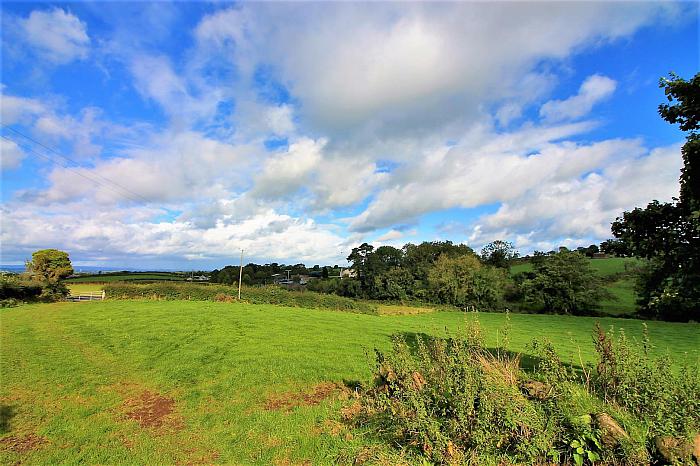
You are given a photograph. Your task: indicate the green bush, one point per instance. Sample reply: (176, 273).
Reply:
(253, 295)
(667, 399)
(454, 401)
(11, 288)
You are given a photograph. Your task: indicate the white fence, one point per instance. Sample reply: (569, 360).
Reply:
(89, 296)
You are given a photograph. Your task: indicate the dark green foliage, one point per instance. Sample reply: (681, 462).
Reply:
(668, 234)
(49, 265)
(254, 295)
(499, 254)
(465, 282)
(563, 282)
(15, 289)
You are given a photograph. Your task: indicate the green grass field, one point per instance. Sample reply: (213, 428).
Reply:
(145, 382)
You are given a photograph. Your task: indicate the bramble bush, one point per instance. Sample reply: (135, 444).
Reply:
(454, 401)
(224, 293)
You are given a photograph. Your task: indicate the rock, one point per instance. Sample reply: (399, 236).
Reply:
(611, 432)
(673, 450)
(536, 390)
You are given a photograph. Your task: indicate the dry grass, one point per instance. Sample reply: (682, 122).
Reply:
(401, 310)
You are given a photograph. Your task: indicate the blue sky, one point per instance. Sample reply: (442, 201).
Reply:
(174, 134)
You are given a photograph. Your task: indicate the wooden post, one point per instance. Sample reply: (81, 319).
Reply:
(240, 276)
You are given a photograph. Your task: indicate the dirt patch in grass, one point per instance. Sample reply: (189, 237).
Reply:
(21, 444)
(153, 411)
(288, 401)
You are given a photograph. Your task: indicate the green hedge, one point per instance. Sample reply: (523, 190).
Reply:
(253, 295)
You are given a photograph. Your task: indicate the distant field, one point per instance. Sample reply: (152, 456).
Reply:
(623, 290)
(127, 276)
(144, 382)
(77, 288)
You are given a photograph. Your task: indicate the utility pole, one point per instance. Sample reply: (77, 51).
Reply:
(240, 276)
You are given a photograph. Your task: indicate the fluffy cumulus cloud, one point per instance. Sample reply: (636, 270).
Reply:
(415, 67)
(296, 131)
(56, 35)
(584, 207)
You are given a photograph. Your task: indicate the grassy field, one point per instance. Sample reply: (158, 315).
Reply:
(77, 288)
(126, 276)
(145, 382)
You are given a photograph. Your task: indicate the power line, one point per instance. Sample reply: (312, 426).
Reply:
(129, 193)
(125, 193)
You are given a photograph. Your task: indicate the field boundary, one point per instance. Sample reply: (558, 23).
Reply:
(87, 296)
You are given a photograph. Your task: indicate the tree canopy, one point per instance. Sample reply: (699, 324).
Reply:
(49, 265)
(668, 234)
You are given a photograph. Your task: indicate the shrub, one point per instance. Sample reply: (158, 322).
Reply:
(455, 401)
(253, 295)
(11, 288)
(666, 399)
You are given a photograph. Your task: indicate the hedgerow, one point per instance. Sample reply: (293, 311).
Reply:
(455, 401)
(252, 295)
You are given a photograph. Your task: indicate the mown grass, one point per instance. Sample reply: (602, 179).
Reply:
(67, 369)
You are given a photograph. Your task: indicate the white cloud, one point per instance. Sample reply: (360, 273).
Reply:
(174, 167)
(285, 173)
(582, 209)
(93, 233)
(57, 35)
(407, 68)
(11, 155)
(485, 168)
(594, 89)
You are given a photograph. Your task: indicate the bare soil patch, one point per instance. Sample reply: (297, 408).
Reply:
(152, 411)
(290, 400)
(21, 444)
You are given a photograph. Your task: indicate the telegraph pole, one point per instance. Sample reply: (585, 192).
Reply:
(240, 276)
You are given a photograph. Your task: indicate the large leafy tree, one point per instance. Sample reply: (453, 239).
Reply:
(668, 234)
(50, 266)
(464, 281)
(563, 282)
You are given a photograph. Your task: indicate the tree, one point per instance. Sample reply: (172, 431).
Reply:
(563, 282)
(464, 281)
(668, 234)
(50, 266)
(499, 254)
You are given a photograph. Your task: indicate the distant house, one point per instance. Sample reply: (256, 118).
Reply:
(600, 255)
(198, 278)
(348, 273)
